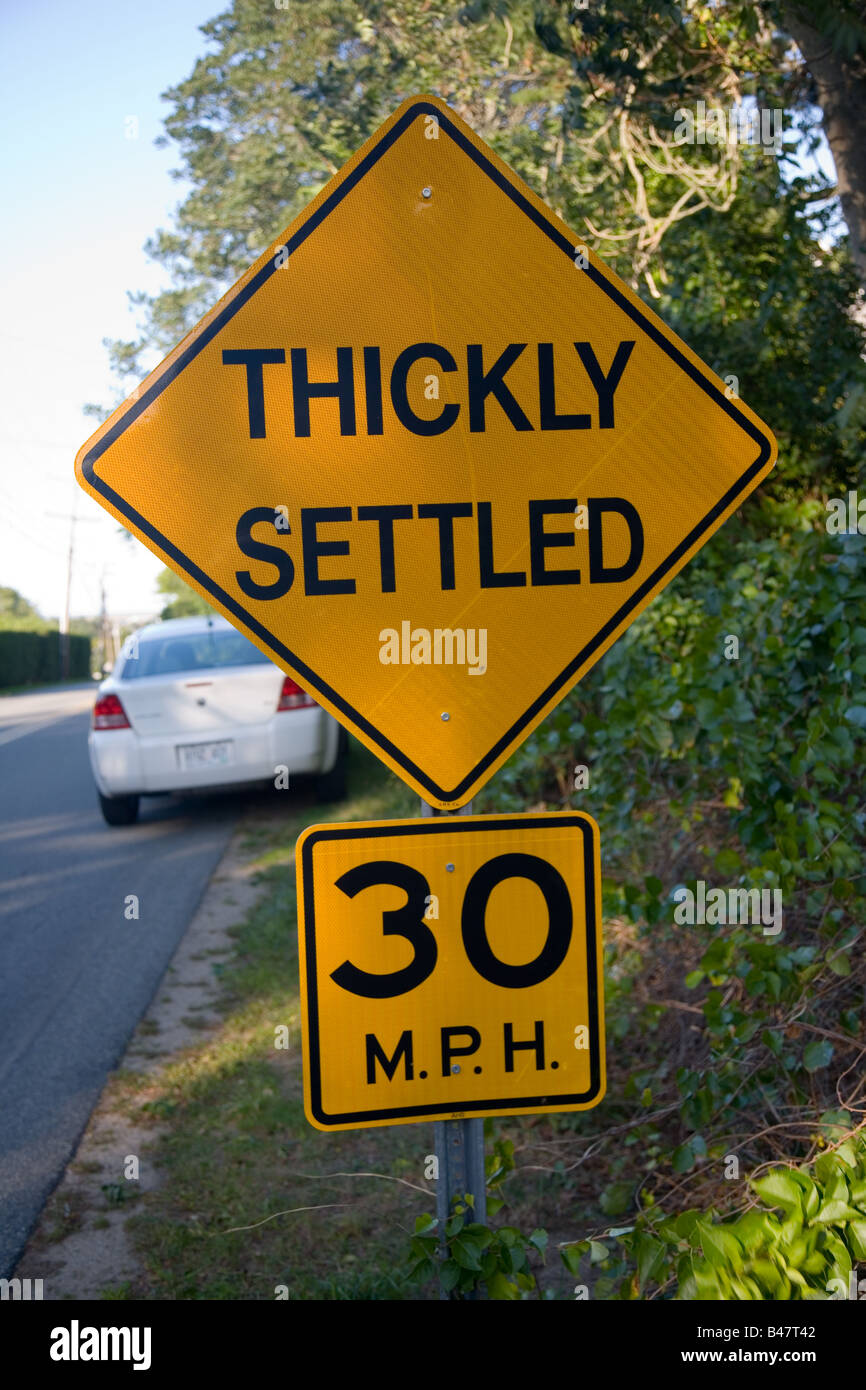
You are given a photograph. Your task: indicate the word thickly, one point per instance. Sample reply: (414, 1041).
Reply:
(485, 382)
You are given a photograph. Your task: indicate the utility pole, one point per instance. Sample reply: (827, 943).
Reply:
(72, 518)
(107, 655)
(64, 624)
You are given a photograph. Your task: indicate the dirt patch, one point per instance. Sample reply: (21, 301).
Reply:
(80, 1247)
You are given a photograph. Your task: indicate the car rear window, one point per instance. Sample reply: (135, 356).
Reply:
(199, 651)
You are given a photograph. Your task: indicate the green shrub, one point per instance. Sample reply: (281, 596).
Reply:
(33, 658)
(808, 1251)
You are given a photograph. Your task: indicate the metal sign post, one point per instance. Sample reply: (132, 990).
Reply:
(459, 1144)
(460, 1155)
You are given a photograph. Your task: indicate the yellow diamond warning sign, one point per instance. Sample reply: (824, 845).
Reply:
(450, 967)
(429, 454)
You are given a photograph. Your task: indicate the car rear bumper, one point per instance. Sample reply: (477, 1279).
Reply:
(293, 741)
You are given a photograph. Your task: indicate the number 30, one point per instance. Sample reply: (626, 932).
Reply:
(408, 921)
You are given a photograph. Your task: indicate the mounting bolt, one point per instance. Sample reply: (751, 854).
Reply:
(455, 1069)
(449, 868)
(426, 192)
(446, 716)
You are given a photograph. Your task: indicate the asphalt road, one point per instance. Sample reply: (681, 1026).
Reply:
(75, 974)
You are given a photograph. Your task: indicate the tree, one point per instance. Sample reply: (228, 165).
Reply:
(18, 614)
(832, 40)
(639, 60)
(574, 102)
(185, 602)
(585, 104)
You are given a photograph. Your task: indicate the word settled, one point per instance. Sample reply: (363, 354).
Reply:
(603, 515)
(485, 382)
(442, 647)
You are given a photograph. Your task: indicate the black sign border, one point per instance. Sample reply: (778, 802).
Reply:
(283, 653)
(440, 826)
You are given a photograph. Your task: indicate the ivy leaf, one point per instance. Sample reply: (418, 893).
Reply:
(839, 963)
(499, 1287)
(685, 1155)
(727, 862)
(818, 1054)
(779, 1189)
(466, 1253)
(421, 1271)
(855, 1234)
(509, 1235)
(518, 1257)
(538, 1240)
(650, 1258)
(571, 1255)
(836, 1213)
(720, 1245)
(686, 1222)
(616, 1199)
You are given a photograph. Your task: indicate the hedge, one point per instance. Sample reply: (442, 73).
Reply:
(33, 658)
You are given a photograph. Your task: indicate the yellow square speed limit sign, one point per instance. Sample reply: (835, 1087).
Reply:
(450, 967)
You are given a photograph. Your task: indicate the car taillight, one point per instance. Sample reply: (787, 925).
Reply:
(108, 713)
(293, 697)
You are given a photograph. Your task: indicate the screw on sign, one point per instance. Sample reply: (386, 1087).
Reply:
(427, 418)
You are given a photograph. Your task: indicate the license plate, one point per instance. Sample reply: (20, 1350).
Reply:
(196, 755)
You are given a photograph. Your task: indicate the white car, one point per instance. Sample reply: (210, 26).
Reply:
(192, 705)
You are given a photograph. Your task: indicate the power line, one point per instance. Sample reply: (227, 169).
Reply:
(31, 539)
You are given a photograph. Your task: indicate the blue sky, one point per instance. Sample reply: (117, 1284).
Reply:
(79, 200)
